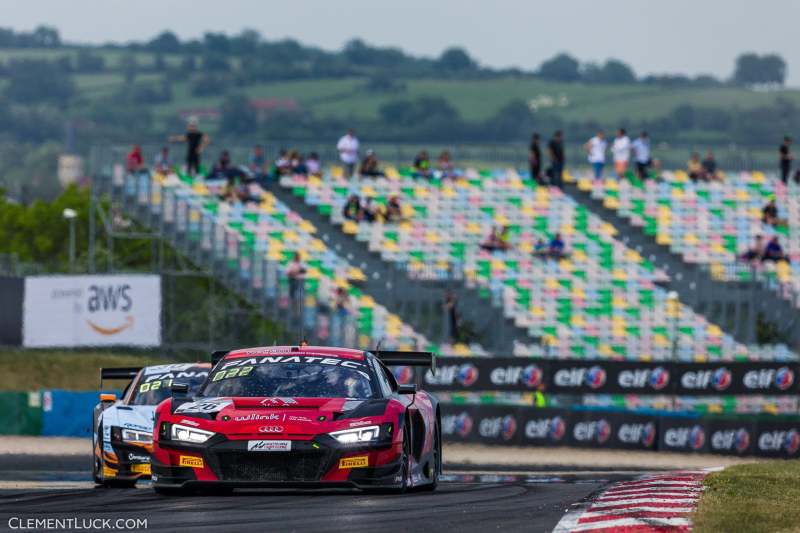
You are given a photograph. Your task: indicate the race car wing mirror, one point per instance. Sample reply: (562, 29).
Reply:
(107, 397)
(407, 389)
(179, 388)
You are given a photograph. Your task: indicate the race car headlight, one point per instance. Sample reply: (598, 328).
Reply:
(351, 436)
(187, 434)
(132, 435)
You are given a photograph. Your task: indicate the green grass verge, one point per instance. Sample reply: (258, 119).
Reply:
(28, 370)
(758, 497)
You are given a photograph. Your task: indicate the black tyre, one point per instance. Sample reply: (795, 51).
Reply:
(436, 467)
(170, 491)
(120, 483)
(96, 467)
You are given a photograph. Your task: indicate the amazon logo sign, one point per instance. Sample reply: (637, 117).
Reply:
(110, 298)
(122, 310)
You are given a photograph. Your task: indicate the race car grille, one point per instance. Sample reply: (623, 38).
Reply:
(261, 466)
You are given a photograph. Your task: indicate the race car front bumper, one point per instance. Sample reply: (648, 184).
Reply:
(321, 462)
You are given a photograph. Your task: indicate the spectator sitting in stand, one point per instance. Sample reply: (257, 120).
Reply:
(695, 168)
(540, 249)
(312, 164)
(161, 161)
(368, 210)
(445, 165)
(756, 252)
(710, 167)
(774, 251)
(283, 165)
(422, 165)
(556, 247)
(394, 211)
(134, 162)
(352, 208)
(296, 272)
(298, 163)
(769, 214)
(497, 240)
(369, 165)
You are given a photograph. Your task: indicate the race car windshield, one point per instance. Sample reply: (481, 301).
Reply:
(300, 380)
(152, 390)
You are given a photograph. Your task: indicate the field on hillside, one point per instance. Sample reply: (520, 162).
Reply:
(27, 370)
(475, 99)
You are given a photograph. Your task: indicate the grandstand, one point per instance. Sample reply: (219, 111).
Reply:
(604, 301)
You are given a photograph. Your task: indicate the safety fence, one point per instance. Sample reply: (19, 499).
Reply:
(67, 413)
(777, 437)
(555, 376)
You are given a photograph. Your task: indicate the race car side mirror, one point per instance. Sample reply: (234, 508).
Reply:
(179, 388)
(108, 397)
(407, 389)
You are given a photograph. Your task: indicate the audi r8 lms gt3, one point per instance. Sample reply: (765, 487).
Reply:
(307, 417)
(123, 429)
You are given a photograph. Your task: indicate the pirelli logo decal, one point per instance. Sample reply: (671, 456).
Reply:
(354, 462)
(190, 460)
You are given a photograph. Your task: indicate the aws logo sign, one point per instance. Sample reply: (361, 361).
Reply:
(106, 301)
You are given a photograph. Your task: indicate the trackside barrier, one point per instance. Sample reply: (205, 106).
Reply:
(20, 413)
(527, 426)
(518, 374)
(68, 413)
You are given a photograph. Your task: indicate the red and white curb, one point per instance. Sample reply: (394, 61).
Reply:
(655, 502)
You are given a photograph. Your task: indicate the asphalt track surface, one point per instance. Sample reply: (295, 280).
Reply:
(471, 498)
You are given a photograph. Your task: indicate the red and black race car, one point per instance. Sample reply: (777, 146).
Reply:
(300, 416)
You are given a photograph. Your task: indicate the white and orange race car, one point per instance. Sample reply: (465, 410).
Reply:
(123, 428)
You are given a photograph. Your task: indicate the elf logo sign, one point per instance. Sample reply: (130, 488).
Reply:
(120, 310)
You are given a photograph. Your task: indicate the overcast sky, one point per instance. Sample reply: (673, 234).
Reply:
(686, 36)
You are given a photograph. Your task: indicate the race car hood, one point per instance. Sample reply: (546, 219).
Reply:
(139, 417)
(298, 416)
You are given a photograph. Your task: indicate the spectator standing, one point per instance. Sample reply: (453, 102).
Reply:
(348, 152)
(341, 310)
(196, 141)
(555, 149)
(641, 150)
(161, 161)
(535, 159)
(621, 148)
(785, 158)
(258, 164)
(296, 272)
(596, 148)
(134, 162)
(451, 308)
